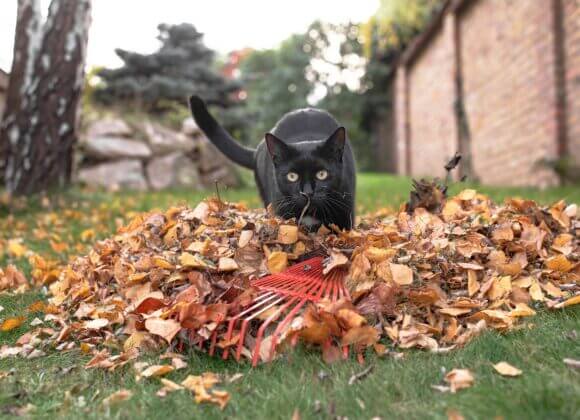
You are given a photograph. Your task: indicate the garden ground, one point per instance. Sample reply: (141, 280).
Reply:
(58, 385)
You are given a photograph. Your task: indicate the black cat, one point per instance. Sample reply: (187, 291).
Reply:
(305, 167)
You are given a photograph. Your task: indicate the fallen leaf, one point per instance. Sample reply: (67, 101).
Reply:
(568, 302)
(166, 328)
(287, 234)
(12, 323)
(459, 379)
(505, 369)
(156, 371)
(277, 262)
(402, 275)
(119, 396)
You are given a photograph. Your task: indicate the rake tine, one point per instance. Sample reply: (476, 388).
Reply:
(246, 322)
(260, 300)
(278, 331)
(263, 327)
(282, 325)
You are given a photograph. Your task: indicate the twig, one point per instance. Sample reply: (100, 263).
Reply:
(304, 209)
(361, 375)
(217, 191)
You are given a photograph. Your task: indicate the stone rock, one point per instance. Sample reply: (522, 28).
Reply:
(214, 166)
(115, 148)
(114, 127)
(189, 127)
(173, 170)
(162, 140)
(127, 173)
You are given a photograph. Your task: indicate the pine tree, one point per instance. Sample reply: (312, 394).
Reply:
(183, 65)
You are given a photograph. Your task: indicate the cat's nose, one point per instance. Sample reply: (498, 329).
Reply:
(307, 190)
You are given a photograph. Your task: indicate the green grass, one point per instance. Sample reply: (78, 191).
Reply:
(300, 381)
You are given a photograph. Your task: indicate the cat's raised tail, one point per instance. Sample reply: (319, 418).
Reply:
(218, 135)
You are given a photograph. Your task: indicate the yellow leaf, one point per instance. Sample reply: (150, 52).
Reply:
(569, 302)
(505, 369)
(287, 234)
(472, 283)
(189, 260)
(536, 291)
(156, 371)
(277, 262)
(467, 195)
(522, 309)
(15, 248)
(87, 235)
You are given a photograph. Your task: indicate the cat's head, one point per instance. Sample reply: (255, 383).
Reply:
(307, 172)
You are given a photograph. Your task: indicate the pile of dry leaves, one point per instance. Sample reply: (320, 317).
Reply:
(427, 280)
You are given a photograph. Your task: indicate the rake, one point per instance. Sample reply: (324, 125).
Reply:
(287, 292)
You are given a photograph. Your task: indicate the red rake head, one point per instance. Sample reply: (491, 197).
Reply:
(284, 294)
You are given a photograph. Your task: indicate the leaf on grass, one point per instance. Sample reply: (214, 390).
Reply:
(568, 302)
(156, 371)
(505, 369)
(119, 396)
(15, 248)
(12, 323)
(459, 379)
(572, 363)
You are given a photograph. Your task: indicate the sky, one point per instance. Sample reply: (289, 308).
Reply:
(227, 24)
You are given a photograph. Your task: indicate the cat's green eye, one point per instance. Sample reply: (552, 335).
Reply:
(322, 174)
(292, 176)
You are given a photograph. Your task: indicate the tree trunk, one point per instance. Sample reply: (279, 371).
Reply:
(40, 124)
(27, 30)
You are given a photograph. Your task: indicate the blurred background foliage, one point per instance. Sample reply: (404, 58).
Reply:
(343, 68)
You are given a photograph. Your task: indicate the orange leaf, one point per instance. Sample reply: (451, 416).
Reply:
(12, 323)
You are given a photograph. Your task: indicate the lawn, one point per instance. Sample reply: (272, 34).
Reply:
(58, 385)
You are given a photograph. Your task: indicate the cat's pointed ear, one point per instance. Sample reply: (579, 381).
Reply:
(277, 148)
(334, 145)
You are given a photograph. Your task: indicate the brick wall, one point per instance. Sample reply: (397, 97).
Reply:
(431, 117)
(506, 52)
(571, 17)
(509, 89)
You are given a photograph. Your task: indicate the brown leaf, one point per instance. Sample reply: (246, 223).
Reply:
(166, 328)
(337, 259)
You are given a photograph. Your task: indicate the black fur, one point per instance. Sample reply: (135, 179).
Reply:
(305, 142)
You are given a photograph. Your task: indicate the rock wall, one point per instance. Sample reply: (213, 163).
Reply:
(114, 154)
